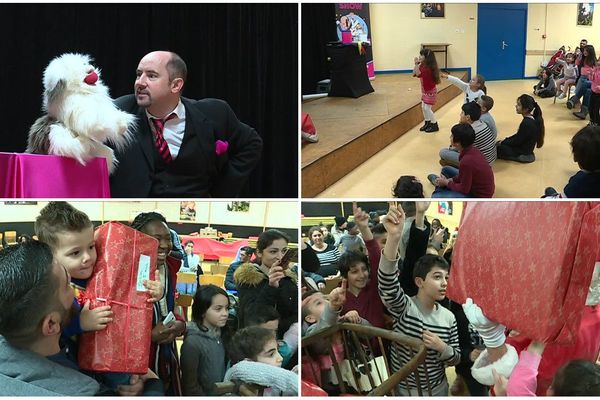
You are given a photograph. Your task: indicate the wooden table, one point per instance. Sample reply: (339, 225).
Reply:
(438, 48)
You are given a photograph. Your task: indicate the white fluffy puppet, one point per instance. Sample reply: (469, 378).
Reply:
(80, 114)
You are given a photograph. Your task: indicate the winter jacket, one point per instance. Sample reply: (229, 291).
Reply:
(203, 361)
(25, 373)
(253, 288)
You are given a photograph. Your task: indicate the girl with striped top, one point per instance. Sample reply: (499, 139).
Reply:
(327, 254)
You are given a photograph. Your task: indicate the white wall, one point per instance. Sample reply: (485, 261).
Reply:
(398, 31)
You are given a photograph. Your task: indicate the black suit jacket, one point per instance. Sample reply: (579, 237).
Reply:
(197, 171)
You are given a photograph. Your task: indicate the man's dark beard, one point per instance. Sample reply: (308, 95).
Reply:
(67, 316)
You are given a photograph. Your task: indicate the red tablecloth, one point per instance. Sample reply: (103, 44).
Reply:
(212, 249)
(44, 176)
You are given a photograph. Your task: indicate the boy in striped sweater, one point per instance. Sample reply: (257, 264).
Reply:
(419, 316)
(485, 138)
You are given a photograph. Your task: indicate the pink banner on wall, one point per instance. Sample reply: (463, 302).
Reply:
(352, 19)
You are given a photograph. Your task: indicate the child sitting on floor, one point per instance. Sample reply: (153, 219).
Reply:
(586, 153)
(408, 187)
(546, 87)
(257, 360)
(486, 103)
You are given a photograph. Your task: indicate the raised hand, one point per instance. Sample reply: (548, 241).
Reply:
(475, 315)
(393, 221)
(96, 319)
(337, 297)
(491, 332)
(361, 218)
(155, 288)
(422, 206)
(438, 236)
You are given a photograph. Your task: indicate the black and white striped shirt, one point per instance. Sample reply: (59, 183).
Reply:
(410, 320)
(485, 140)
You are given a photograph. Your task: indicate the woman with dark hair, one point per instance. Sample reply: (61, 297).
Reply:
(163, 352)
(584, 83)
(327, 254)
(519, 147)
(204, 349)
(269, 282)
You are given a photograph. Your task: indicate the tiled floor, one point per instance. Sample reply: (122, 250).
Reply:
(417, 154)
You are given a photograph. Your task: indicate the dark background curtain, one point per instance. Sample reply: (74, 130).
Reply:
(318, 28)
(245, 54)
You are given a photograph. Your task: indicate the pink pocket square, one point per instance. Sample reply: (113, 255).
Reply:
(221, 147)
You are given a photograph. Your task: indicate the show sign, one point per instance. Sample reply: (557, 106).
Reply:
(352, 20)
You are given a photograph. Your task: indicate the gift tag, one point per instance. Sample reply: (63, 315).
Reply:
(143, 272)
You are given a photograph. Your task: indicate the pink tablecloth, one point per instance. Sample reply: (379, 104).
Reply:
(211, 249)
(44, 176)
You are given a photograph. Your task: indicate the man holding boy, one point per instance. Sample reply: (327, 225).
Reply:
(419, 316)
(35, 299)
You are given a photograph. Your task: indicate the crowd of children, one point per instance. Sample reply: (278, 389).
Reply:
(254, 342)
(400, 285)
(457, 178)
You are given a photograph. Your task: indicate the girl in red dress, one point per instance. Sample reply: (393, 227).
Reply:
(426, 69)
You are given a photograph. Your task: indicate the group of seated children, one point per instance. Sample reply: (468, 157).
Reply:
(403, 289)
(210, 348)
(467, 161)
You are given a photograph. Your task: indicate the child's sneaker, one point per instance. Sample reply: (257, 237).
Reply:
(561, 96)
(432, 178)
(433, 127)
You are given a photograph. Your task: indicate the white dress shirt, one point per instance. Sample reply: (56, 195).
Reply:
(174, 129)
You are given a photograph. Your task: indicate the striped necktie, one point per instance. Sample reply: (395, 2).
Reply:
(159, 139)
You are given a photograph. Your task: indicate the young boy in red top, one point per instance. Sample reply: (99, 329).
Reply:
(474, 176)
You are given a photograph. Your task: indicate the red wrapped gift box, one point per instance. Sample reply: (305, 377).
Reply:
(125, 258)
(528, 265)
(44, 176)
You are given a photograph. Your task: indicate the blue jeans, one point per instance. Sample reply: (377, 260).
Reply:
(442, 192)
(449, 155)
(586, 98)
(449, 172)
(583, 84)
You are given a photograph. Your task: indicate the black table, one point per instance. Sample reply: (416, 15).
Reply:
(349, 77)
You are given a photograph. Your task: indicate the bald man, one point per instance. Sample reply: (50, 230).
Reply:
(181, 147)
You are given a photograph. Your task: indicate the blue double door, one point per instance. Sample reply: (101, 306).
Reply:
(501, 38)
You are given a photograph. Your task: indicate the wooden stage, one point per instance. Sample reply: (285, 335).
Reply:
(353, 130)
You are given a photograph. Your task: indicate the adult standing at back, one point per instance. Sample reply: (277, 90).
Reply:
(327, 254)
(181, 147)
